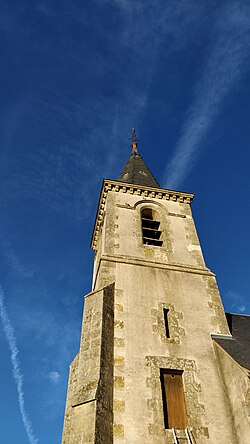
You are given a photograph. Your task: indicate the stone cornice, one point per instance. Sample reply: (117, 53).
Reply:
(131, 260)
(153, 264)
(139, 190)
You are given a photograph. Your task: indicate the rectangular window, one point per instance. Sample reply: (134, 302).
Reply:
(165, 311)
(173, 399)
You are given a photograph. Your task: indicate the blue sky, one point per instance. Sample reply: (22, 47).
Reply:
(75, 77)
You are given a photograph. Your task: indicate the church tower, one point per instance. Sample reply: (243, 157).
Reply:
(152, 366)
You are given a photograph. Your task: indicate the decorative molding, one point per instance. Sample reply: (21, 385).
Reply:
(177, 215)
(145, 203)
(139, 190)
(126, 206)
(153, 264)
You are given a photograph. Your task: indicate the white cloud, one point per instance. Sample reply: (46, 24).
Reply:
(225, 62)
(54, 377)
(235, 301)
(11, 257)
(242, 308)
(97, 121)
(18, 377)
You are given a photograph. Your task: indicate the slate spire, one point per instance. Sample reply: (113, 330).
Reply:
(135, 170)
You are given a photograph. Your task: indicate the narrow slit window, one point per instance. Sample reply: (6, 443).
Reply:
(165, 312)
(173, 399)
(151, 234)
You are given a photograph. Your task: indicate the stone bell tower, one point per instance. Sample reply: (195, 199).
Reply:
(148, 369)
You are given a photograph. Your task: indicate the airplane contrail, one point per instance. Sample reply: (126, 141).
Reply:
(17, 374)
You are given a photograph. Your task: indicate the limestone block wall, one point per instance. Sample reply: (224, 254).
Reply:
(149, 278)
(120, 233)
(114, 391)
(104, 395)
(89, 406)
(69, 400)
(141, 350)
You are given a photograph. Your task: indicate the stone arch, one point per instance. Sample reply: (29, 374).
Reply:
(148, 203)
(163, 219)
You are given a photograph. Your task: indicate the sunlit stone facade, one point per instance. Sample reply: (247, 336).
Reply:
(115, 391)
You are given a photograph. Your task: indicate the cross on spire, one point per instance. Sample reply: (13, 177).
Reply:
(134, 141)
(135, 170)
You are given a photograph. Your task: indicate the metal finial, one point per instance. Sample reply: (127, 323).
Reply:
(134, 141)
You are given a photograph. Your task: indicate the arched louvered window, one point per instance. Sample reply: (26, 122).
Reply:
(151, 233)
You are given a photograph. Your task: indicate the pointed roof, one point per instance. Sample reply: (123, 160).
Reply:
(135, 170)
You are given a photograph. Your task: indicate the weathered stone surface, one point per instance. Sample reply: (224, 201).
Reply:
(119, 382)
(175, 330)
(118, 430)
(89, 409)
(119, 342)
(114, 393)
(236, 380)
(119, 405)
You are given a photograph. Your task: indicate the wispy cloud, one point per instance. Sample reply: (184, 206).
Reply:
(18, 377)
(226, 60)
(76, 139)
(54, 377)
(11, 258)
(235, 301)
